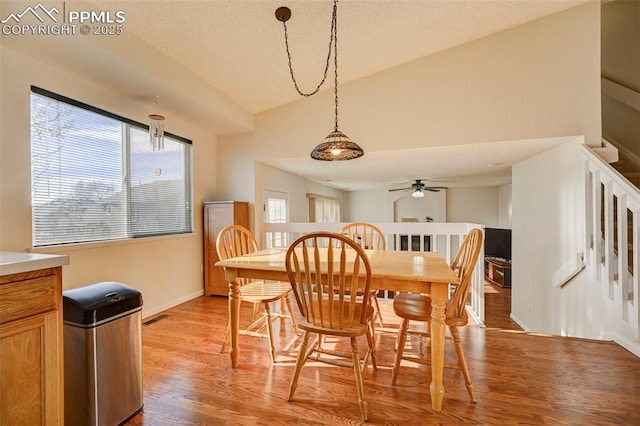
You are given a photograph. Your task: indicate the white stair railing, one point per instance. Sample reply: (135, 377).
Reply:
(613, 208)
(444, 238)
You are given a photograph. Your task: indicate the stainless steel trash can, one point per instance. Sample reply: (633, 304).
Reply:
(102, 354)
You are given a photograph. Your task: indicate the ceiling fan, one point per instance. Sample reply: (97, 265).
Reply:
(418, 189)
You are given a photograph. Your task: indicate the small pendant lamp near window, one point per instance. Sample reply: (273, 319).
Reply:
(337, 146)
(156, 128)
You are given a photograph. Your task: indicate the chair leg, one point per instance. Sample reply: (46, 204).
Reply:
(376, 307)
(302, 357)
(282, 309)
(372, 347)
(294, 322)
(462, 362)
(359, 382)
(402, 339)
(272, 346)
(225, 338)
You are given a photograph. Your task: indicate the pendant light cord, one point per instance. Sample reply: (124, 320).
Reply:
(333, 47)
(334, 26)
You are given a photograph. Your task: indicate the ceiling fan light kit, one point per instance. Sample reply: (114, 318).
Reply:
(418, 188)
(337, 146)
(417, 193)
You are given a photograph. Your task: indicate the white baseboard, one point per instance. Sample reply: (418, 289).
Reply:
(474, 317)
(157, 309)
(630, 345)
(520, 323)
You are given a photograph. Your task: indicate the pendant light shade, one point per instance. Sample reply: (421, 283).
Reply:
(336, 147)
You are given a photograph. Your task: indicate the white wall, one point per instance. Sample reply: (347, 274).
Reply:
(504, 206)
(165, 269)
(474, 205)
(371, 206)
(548, 232)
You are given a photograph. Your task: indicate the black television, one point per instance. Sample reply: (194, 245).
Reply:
(497, 243)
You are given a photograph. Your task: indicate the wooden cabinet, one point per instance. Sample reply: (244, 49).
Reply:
(31, 372)
(217, 215)
(498, 271)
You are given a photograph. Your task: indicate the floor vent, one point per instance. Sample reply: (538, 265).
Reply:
(155, 319)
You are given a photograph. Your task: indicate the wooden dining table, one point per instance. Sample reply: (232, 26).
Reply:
(418, 272)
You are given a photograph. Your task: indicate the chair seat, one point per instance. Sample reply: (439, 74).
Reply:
(264, 292)
(417, 307)
(412, 306)
(355, 328)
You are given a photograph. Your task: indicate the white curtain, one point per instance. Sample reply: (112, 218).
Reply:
(323, 209)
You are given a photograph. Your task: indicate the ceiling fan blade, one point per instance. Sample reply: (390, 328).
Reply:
(399, 189)
(434, 188)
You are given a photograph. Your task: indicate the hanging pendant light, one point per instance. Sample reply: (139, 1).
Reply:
(156, 128)
(336, 146)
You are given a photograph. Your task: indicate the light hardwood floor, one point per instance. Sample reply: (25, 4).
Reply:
(518, 378)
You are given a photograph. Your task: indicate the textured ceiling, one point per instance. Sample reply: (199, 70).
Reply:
(236, 45)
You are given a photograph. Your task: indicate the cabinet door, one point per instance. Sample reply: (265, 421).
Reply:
(30, 377)
(216, 217)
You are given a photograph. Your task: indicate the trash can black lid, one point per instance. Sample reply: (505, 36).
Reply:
(97, 302)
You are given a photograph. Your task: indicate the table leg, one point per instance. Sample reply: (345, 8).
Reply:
(234, 320)
(438, 300)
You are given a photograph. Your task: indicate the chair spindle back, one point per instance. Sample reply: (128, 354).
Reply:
(324, 270)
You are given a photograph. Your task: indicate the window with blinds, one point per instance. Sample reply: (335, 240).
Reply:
(276, 210)
(95, 176)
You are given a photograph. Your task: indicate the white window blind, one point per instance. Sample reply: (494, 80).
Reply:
(95, 176)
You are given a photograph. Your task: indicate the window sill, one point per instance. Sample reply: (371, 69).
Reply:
(102, 244)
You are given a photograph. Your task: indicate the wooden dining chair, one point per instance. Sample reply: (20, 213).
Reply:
(417, 307)
(321, 267)
(234, 241)
(368, 237)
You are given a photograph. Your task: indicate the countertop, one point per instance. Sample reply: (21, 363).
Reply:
(15, 262)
